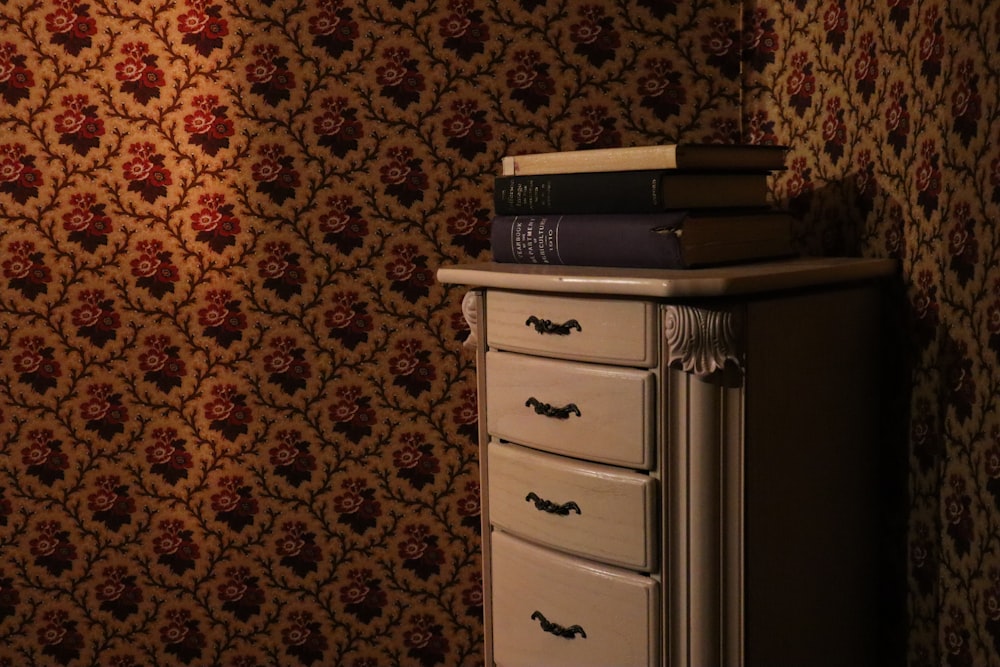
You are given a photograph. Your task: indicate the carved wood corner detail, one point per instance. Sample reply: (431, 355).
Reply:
(702, 340)
(471, 317)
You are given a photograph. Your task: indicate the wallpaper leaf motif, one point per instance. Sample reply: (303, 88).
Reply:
(910, 97)
(210, 340)
(237, 422)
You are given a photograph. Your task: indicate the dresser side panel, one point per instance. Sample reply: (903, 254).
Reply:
(810, 499)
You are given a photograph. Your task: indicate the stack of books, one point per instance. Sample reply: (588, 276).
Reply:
(670, 206)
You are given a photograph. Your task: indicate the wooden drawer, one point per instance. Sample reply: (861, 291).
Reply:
(590, 411)
(614, 331)
(588, 509)
(610, 615)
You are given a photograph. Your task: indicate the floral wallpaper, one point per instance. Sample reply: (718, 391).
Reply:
(237, 422)
(893, 113)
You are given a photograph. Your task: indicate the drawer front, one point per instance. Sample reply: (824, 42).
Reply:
(590, 411)
(589, 509)
(609, 615)
(614, 331)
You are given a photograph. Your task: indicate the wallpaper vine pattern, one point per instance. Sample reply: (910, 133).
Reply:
(894, 114)
(237, 422)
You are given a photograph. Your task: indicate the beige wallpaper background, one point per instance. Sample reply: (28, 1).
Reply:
(237, 424)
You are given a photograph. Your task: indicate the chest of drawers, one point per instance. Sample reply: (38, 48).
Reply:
(679, 468)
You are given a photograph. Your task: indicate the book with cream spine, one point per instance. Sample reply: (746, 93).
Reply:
(764, 157)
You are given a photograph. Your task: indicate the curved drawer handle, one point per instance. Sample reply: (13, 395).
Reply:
(548, 327)
(543, 505)
(556, 629)
(549, 411)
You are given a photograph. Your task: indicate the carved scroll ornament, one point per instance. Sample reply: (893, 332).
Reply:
(471, 317)
(701, 340)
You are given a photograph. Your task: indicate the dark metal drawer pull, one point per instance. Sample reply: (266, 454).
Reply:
(548, 327)
(543, 505)
(556, 629)
(549, 411)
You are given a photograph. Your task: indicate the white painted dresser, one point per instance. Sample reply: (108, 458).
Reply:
(678, 466)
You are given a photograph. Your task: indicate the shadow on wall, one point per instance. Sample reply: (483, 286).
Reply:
(837, 220)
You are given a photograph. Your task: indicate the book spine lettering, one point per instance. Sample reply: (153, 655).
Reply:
(641, 240)
(623, 192)
(531, 240)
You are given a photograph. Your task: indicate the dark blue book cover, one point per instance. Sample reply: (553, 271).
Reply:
(668, 240)
(639, 240)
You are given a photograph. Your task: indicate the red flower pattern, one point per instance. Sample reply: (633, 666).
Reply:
(148, 271)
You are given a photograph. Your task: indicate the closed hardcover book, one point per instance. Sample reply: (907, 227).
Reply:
(735, 157)
(671, 240)
(645, 191)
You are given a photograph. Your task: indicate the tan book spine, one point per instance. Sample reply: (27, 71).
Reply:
(594, 160)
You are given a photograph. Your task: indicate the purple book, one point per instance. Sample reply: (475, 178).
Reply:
(669, 240)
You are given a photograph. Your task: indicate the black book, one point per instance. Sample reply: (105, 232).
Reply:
(671, 240)
(644, 191)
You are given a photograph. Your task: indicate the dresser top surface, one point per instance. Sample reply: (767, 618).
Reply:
(706, 282)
